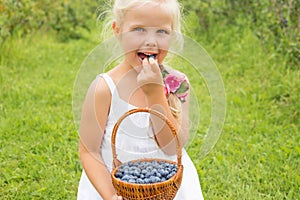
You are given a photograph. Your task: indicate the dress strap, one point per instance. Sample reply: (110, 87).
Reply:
(110, 83)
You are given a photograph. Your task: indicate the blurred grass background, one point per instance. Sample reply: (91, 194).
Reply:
(255, 46)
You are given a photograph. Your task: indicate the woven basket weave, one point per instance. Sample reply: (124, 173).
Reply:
(155, 191)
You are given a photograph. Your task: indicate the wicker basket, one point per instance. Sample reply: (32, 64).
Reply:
(155, 191)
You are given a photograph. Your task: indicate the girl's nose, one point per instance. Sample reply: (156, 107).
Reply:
(150, 41)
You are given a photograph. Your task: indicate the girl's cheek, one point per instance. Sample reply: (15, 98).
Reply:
(131, 42)
(164, 45)
(162, 56)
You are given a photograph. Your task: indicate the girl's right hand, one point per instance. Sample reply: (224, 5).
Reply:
(150, 78)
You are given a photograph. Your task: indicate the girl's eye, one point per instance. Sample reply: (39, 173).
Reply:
(139, 29)
(162, 31)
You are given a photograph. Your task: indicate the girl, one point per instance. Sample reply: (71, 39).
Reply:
(144, 29)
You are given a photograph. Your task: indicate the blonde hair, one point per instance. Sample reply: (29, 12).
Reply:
(171, 6)
(118, 9)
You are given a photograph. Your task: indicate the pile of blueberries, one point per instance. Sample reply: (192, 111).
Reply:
(146, 172)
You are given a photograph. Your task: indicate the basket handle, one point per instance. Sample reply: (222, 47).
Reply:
(116, 162)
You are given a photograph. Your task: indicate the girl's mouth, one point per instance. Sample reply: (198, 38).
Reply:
(142, 55)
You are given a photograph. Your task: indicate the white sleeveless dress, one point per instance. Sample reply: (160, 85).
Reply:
(134, 141)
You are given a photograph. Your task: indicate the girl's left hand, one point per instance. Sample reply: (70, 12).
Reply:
(116, 197)
(150, 78)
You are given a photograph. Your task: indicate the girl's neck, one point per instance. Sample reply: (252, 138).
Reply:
(123, 68)
(123, 72)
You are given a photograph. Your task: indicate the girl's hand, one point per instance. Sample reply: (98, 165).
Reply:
(116, 197)
(150, 78)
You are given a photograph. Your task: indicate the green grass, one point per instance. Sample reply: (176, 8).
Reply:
(257, 156)
(38, 139)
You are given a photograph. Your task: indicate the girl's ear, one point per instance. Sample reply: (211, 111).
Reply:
(115, 28)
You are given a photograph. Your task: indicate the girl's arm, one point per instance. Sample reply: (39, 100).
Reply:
(92, 125)
(151, 82)
(164, 136)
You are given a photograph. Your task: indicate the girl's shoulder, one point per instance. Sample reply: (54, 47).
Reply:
(101, 90)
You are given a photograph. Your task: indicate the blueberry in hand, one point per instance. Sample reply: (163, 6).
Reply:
(151, 56)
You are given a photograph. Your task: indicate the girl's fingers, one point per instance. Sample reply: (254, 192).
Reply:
(116, 197)
(150, 65)
(154, 65)
(146, 65)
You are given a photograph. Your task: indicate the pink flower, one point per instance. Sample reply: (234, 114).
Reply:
(177, 83)
(173, 82)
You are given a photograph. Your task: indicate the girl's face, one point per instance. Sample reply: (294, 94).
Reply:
(145, 30)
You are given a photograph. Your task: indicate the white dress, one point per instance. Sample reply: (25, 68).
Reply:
(134, 141)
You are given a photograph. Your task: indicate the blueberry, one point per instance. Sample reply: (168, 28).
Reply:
(126, 171)
(157, 179)
(119, 175)
(161, 171)
(146, 172)
(158, 175)
(146, 180)
(151, 56)
(131, 180)
(170, 175)
(152, 173)
(137, 172)
(152, 179)
(149, 168)
(125, 177)
(139, 180)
